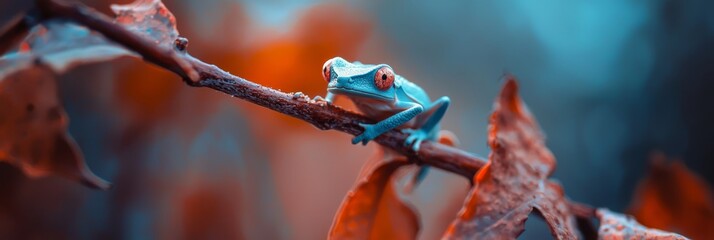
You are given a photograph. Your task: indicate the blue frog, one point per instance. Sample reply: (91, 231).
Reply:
(382, 95)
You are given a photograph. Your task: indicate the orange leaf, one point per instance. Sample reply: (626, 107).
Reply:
(514, 182)
(374, 208)
(33, 129)
(671, 197)
(614, 226)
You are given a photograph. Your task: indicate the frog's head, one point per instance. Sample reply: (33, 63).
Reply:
(359, 80)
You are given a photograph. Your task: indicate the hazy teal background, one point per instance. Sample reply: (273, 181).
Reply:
(609, 81)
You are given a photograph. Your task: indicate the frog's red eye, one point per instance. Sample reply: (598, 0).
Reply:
(384, 78)
(326, 70)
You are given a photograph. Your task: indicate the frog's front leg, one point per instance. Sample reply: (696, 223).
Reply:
(434, 114)
(371, 131)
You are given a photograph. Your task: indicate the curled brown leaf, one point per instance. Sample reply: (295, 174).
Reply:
(375, 208)
(515, 180)
(150, 19)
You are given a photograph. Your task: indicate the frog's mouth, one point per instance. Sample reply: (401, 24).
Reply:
(358, 93)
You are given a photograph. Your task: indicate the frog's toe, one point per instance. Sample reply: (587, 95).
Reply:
(366, 136)
(408, 130)
(416, 136)
(416, 144)
(411, 139)
(357, 139)
(361, 138)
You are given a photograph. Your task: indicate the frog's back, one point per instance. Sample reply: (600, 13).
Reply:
(409, 90)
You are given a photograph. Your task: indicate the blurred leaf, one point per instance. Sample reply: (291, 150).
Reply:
(375, 208)
(615, 226)
(514, 182)
(673, 198)
(33, 129)
(62, 45)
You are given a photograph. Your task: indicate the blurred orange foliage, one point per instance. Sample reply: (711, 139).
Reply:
(293, 62)
(210, 212)
(672, 197)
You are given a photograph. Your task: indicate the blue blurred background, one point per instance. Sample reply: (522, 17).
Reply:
(609, 81)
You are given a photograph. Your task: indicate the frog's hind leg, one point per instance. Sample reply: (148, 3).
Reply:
(443, 137)
(428, 130)
(419, 176)
(435, 112)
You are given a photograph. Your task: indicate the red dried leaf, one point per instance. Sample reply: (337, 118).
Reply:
(514, 182)
(149, 18)
(62, 45)
(615, 226)
(33, 129)
(673, 198)
(375, 208)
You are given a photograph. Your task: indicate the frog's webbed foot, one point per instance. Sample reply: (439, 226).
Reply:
(416, 136)
(370, 132)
